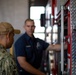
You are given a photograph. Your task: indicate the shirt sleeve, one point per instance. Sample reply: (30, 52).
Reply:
(8, 67)
(44, 44)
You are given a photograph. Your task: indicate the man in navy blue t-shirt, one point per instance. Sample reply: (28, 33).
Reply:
(29, 51)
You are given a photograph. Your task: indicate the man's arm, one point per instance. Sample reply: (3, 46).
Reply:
(56, 47)
(27, 67)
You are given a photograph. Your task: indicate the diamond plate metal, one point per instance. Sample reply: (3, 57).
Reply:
(73, 23)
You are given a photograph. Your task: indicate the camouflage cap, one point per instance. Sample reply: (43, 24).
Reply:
(6, 27)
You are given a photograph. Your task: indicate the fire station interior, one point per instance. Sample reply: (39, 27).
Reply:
(55, 22)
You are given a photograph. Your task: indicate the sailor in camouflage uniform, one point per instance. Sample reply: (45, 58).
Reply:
(7, 63)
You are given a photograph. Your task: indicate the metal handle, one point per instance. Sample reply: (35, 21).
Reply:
(62, 37)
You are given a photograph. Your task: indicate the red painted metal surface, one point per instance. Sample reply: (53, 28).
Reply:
(53, 9)
(70, 44)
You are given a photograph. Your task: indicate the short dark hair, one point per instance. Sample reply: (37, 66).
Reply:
(29, 20)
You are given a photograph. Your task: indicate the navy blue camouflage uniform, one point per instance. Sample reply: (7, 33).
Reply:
(7, 64)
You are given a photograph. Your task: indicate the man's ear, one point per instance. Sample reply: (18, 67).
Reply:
(7, 35)
(24, 27)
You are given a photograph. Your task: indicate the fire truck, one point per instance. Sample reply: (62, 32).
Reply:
(62, 13)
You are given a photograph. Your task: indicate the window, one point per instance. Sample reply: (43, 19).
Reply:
(55, 34)
(35, 12)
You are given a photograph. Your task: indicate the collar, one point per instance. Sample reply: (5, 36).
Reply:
(28, 37)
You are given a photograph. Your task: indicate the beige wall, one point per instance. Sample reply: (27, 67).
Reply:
(15, 12)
